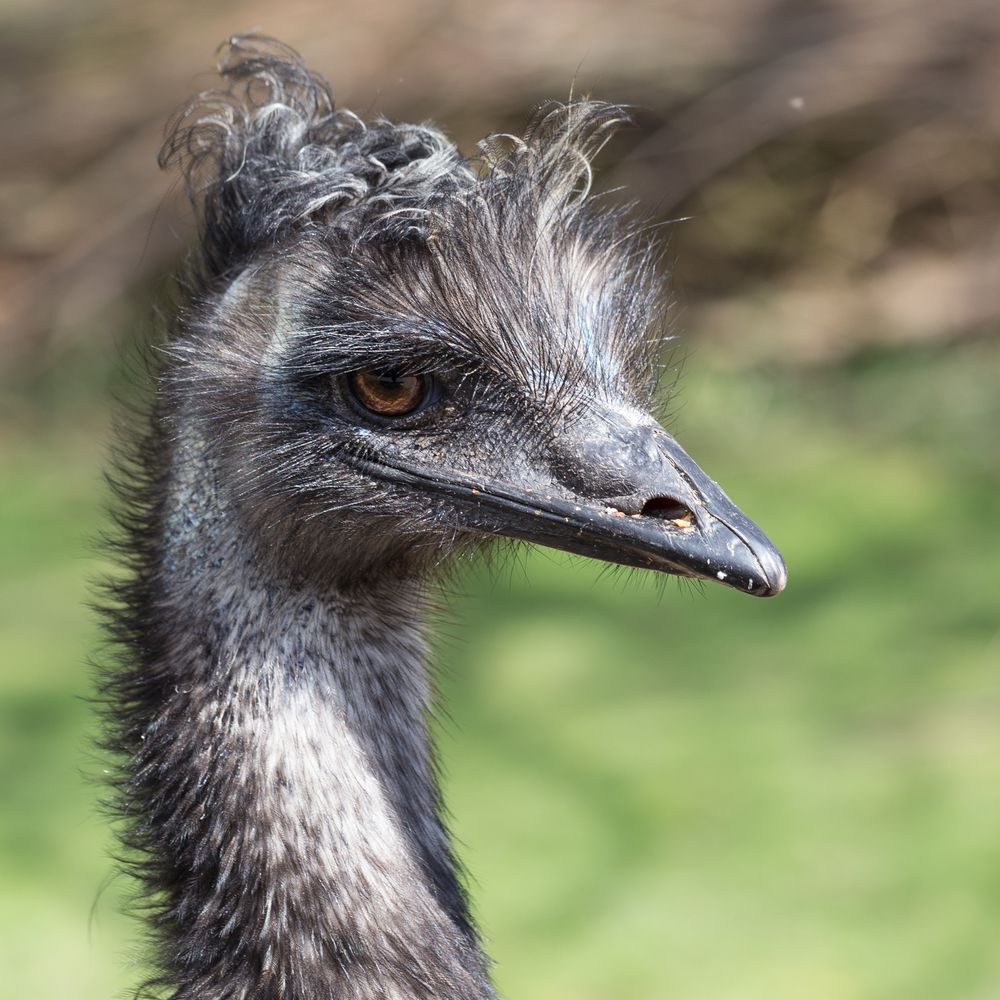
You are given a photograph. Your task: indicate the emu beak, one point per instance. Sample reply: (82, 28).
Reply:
(655, 508)
(621, 490)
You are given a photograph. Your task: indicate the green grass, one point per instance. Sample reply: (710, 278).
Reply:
(660, 792)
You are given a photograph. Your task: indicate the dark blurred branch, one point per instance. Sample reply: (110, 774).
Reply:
(845, 148)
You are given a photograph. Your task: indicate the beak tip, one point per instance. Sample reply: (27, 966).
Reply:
(775, 574)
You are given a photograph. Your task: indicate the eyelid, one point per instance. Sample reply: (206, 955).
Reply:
(313, 357)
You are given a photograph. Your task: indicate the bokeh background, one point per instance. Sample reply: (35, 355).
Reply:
(660, 793)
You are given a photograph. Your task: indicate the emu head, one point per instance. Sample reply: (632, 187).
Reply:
(396, 351)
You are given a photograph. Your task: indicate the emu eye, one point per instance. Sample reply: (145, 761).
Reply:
(387, 393)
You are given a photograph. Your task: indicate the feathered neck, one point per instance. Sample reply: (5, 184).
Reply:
(280, 781)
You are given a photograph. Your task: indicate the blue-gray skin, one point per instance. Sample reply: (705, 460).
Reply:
(280, 529)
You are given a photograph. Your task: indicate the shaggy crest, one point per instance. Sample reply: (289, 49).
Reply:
(507, 259)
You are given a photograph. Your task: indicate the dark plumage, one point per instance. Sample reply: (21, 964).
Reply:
(387, 354)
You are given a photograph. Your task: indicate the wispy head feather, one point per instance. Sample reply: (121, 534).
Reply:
(272, 155)
(505, 257)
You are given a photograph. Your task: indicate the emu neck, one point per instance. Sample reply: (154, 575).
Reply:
(285, 773)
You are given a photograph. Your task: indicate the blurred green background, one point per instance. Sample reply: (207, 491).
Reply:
(659, 790)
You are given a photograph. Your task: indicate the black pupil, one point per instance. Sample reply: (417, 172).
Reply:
(393, 385)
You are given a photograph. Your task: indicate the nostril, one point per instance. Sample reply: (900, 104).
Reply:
(669, 509)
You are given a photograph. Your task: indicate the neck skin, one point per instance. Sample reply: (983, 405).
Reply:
(281, 780)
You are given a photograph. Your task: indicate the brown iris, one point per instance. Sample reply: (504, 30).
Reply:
(388, 393)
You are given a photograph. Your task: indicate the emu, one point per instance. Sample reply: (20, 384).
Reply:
(387, 355)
